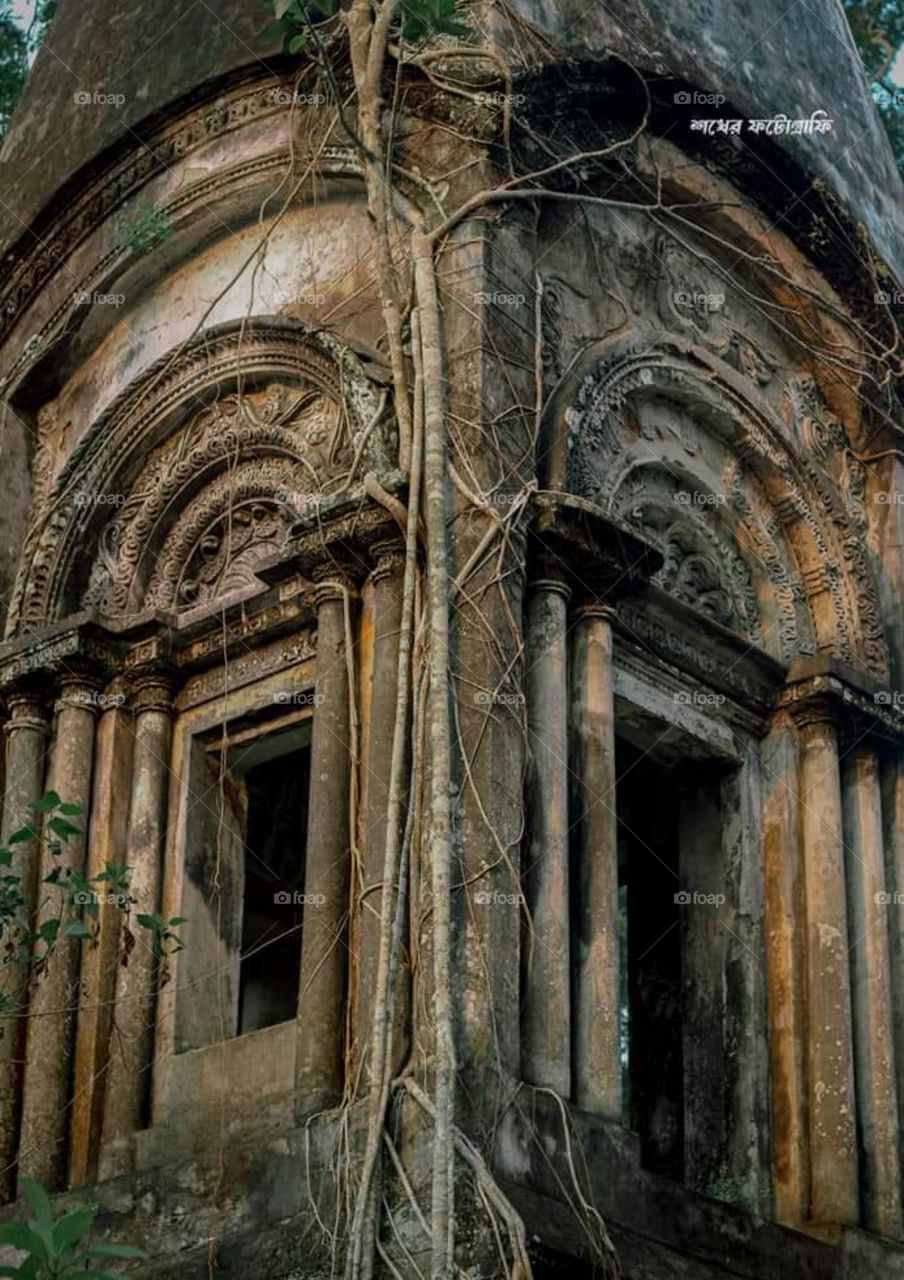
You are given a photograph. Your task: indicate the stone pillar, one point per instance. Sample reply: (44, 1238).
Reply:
(869, 906)
(51, 1021)
(546, 1025)
(131, 1054)
(892, 782)
(107, 834)
(388, 580)
(324, 947)
(597, 1061)
(829, 1051)
(783, 909)
(26, 732)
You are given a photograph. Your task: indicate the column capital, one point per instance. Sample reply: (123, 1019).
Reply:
(26, 709)
(595, 609)
(547, 582)
(388, 559)
(151, 688)
(80, 687)
(334, 582)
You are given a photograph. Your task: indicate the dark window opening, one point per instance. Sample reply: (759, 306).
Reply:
(272, 909)
(651, 1024)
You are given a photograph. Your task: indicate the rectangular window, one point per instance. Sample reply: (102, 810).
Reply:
(243, 895)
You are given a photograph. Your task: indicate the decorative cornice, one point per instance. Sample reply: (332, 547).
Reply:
(824, 691)
(575, 540)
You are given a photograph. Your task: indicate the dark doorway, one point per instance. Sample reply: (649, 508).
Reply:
(275, 832)
(647, 803)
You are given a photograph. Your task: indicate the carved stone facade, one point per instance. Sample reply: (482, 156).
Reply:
(677, 671)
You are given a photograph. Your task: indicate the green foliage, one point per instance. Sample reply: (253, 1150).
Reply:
(17, 47)
(75, 896)
(165, 940)
(58, 1249)
(878, 30)
(139, 234)
(421, 19)
(13, 64)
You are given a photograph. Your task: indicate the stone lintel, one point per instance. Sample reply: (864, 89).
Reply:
(80, 647)
(825, 689)
(575, 540)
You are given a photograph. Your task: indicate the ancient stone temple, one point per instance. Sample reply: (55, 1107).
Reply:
(671, 554)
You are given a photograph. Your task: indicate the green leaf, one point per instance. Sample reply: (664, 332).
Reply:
(154, 923)
(48, 802)
(72, 810)
(6, 857)
(49, 930)
(27, 1271)
(63, 829)
(72, 1227)
(115, 1251)
(177, 920)
(297, 42)
(282, 7)
(23, 834)
(38, 1199)
(22, 1237)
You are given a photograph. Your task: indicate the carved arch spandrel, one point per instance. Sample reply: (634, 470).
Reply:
(764, 523)
(286, 408)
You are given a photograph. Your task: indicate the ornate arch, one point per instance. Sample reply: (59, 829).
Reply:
(209, 457)
(762, 524)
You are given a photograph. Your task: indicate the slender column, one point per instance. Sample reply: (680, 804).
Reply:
(324, 958)
(26, 733)
(547, 1013)
(869, 907)
(892, 785)
(107, 833)
(387, 581)
(830, 1066)
(597, 1060)
(51, 1021)
(783, 895)
(128, 1079)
